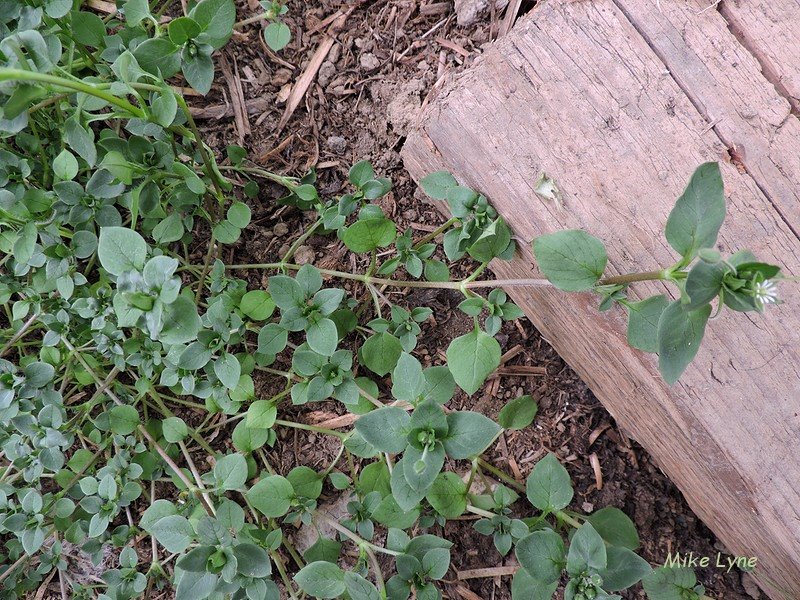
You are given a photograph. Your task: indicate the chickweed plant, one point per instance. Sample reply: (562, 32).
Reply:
(121, 356)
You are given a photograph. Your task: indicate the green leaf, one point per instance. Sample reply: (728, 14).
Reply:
(121, 249)
(381, 352)
(81, 140)
(272, 339)
(123, 419)
(679, 335)
(57, 8)
(615, 527)
(421, 468)
(542, 555)
(518, 413)
(469, 434)
(360, 173)
(65, 165)
(439, 384)
(322, 337)
(199, 71)
(587, 551)
(549, 487)
(277, 35)
(168, 230)
(359, 588)
(321, 579)
(408, 381)
(624, 569)
(324, 549)
(195, 585)
(136, 11)
(306, 482)
(407, 498)
(390, 514)
(448, 495)
(525, 587)
(698, 214)
(365, 235)
(246, 439)
(158, 56)
(492, 242)
(272, 496)
(174, 429)
(230, 472)
(385, 428)
(643, 319)
(252, 561)
(472, 358)
(216, 18)
(239, 214)
(704, 283)
(436, 185)
(670, 583)
(257, 304)
(436, 562)
(164, 108)
(174, 532)
(571, 260)
(88, 29)
(286, 292)
(181, 322)
(228, 370)
(261, 414)
(183, 29)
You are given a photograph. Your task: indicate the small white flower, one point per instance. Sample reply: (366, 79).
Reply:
(766, 292)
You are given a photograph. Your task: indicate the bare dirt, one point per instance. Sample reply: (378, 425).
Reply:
(387, 57)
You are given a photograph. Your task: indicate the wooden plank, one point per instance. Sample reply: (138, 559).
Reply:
(575, 91)
(724, 81)
(771, 32)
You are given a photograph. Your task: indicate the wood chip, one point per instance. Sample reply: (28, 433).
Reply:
(467, 594)
(304, 81)
(598, 473)
(221, 111)
(237, 97)
(511, 353)
(487, 572)
(437, 8)
(453, 46)
(512, 10)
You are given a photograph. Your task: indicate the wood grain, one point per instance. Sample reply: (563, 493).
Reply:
(615, 110)
(771, 32)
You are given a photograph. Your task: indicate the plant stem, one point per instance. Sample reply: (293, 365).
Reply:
(356, 538)
(562, 516)
(633, 277)
(498, 473)
(438, 231)
(285, 181)
(17, 336)
(479, 511)
(452, 285)
(299, 241)
(78, 86)
(314, 428)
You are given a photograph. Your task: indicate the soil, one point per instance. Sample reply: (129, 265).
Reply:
(387, 58)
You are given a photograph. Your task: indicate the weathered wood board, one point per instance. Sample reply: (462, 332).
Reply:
(619, 101)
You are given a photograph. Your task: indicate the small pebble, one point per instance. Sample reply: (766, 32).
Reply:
(326, 73)
(280, 229)
(369, 61)
(337, 144)
(304, 255)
